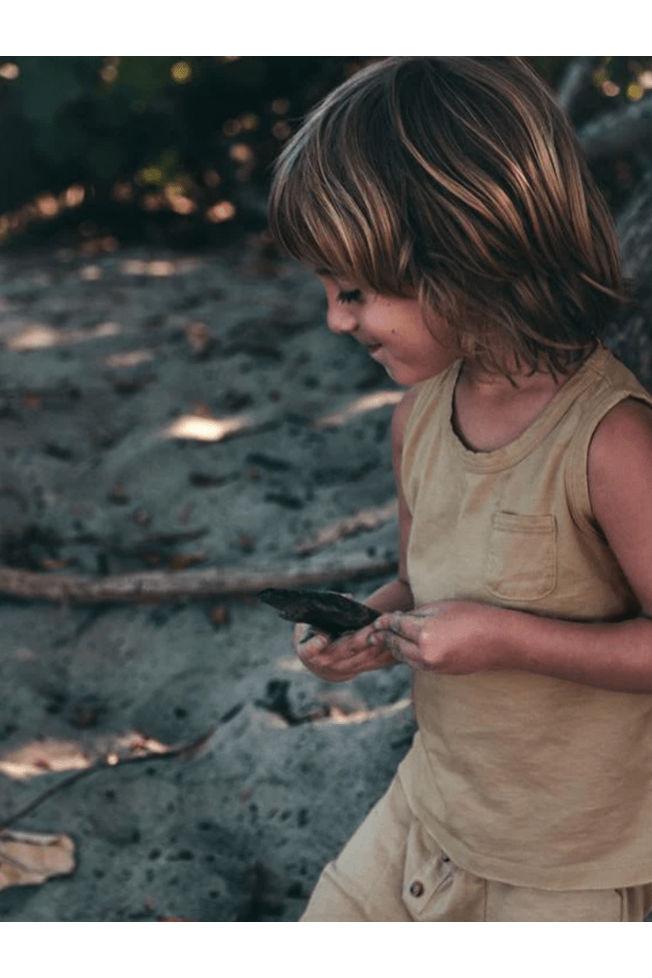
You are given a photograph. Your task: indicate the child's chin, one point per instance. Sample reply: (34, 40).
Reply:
(403, 375)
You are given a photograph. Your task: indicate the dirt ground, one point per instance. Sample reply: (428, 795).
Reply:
(117, 373)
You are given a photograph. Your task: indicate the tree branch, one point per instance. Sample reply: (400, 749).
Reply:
(153, 586)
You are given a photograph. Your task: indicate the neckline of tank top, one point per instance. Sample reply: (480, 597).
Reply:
(512, 453)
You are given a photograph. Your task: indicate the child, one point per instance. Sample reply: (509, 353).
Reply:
(444, 204)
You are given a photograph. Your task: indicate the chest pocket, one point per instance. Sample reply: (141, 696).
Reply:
(521, 563)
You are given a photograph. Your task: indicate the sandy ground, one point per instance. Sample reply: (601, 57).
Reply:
(102, 358)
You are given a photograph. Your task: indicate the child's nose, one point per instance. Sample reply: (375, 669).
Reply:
(340, 318)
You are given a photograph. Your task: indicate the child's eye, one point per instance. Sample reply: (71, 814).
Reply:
(354, 295)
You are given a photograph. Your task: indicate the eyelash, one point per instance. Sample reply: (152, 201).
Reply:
(355, 295)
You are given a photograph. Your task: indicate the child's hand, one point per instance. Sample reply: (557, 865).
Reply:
(337, 660)
(449, 637)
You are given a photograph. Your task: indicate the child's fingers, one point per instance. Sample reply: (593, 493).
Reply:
(402, 624)
(308, 643)
(397, 635)
(338, 660)
(341, 669)
(305, 633)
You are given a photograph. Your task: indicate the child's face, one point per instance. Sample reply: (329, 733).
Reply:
(393, 331)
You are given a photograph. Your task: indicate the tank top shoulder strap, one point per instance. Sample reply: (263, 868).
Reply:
(613, 383)
(422, 420)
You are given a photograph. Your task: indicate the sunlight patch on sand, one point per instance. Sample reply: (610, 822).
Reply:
(160, 268)
(51, 755)
(337, 715)
(132, 358)
(38, 336)
(200, 428)
(370, 402)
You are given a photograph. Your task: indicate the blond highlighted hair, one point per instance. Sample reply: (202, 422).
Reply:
(460, 182)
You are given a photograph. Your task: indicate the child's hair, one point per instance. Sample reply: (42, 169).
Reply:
(458, 181)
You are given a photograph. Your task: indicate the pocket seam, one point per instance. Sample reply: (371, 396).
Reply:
(525, 526)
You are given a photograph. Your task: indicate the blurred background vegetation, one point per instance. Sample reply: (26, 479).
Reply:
(103, 151)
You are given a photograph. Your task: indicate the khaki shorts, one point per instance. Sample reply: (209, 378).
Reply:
(391, 870)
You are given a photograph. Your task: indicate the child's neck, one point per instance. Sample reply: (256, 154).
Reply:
(490, 412)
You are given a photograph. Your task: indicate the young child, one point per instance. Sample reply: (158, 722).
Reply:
(444, 204)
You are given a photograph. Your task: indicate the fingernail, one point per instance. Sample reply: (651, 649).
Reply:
(372, 640)
(309, 634)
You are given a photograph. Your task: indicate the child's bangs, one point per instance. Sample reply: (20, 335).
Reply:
(306, 235)
(316, 224)
(331, 209)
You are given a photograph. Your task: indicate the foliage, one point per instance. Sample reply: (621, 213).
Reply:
(123, 145)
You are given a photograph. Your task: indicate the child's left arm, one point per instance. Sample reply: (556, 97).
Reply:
(462, 637)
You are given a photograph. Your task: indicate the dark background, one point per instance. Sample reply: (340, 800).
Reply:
(105, 151)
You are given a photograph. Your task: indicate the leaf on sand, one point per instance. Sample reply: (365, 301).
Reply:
(28, 858)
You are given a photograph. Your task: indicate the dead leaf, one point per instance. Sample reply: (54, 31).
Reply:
(245, 543)
(199, 337)
(85, 716)
(30, 401)
(152, 559)
(201, 410)
(181, 561)
(186, 512)
(220, 615)
(117, 494)
(50, 564)
(28, 858)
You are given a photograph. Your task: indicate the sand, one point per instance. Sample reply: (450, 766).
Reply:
(115, 367)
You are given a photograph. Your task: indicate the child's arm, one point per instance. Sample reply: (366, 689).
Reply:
(352, 654)
(461, 637)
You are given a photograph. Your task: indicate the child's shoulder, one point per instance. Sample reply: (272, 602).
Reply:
(619, 476)
(613, 402)
(621, 437)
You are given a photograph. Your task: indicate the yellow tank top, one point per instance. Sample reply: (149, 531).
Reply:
(522, 778)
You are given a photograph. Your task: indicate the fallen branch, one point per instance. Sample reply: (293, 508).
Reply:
(364, 519)
(152, 586)
(181, 751)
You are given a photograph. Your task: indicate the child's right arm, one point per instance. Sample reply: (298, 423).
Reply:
(351, 654)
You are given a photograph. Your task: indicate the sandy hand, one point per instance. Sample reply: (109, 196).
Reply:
(338, 660)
